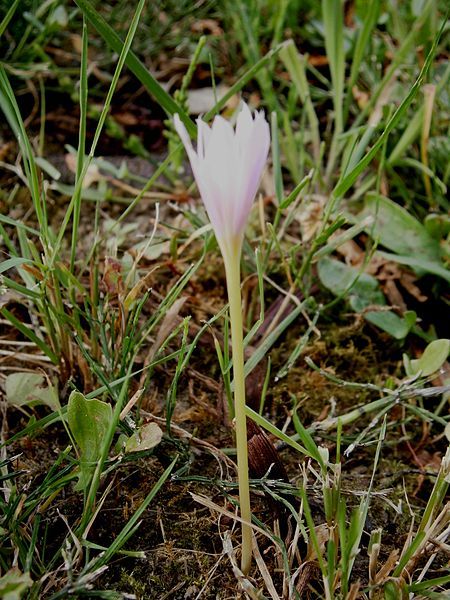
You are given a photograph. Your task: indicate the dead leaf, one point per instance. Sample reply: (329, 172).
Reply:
(146, 437)
(323, 535)
(318, 60)
(112, 277)
(408, 282)
(150, 252)
(126, 118)
(202, 100)
(394, 296)
(388, 566)
(139, 288)
(92, 174)
(168, 324)
(352, 253)
(309, 216)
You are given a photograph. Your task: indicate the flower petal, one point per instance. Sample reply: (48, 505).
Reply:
(253, 149)
(244, 123)
(203, 137)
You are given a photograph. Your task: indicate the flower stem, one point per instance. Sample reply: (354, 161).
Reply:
(232, 269)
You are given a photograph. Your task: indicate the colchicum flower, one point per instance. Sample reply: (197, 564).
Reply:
(227, 167)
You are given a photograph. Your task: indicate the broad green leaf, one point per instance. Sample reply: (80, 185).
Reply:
(340, 279)
(362, 290)
(14, 584)
(432, 359)
(30, 389)
(148, 436)
(398, 230)
(89, 421)
(389, 322)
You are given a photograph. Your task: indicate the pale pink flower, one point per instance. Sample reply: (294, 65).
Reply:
(227, 168)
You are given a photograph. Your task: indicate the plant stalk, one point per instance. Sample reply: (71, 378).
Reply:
(232, 269)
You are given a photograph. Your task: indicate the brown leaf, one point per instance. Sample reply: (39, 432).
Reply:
(408, 282)
(171, 319)
(352, 253)
(386, 569)
(318, 60)
(112, 277)
(394, 296)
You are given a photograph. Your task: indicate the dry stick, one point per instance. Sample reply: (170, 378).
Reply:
(429, 91)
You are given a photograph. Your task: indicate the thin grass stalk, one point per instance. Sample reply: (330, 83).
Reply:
(276, 160)
(248, 75)
(430, 94)
(349, 179)
(11, 110)
(295, 64)
(43, 113)
(332, 13)
(134, 522)
(250, 46)
(9, 15)
(370, 19)
(81, 142)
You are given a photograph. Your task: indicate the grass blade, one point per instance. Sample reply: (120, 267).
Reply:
(9, 105)
(26, 331)
(9, 15)
(334, 45)
(370, 20)
(81, 141)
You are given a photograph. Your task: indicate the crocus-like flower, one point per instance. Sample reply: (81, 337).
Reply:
(227, 167)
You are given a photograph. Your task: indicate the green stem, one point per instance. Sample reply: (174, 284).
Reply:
(232, 269)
